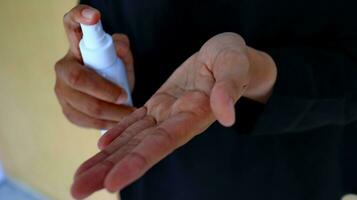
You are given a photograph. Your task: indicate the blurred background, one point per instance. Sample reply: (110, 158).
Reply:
(38, 146)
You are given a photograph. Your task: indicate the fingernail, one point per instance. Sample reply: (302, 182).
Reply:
(122, 99)
(88, 13)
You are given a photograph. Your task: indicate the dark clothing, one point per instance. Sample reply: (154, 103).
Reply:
(301, 145)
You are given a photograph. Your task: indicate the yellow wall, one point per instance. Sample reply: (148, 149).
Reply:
(37, 145)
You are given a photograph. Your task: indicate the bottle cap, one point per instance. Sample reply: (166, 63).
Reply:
(93, 35)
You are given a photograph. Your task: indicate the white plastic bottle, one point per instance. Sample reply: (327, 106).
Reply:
(98, 52)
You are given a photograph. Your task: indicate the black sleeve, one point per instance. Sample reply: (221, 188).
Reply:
(315, 87)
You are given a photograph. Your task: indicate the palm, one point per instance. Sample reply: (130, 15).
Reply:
(185, 95)
(179, 110)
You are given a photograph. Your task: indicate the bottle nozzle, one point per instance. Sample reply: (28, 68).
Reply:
(93, 35)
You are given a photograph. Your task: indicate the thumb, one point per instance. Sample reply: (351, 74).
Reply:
(231, 72)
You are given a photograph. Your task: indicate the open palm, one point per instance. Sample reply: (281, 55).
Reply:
(204, 88)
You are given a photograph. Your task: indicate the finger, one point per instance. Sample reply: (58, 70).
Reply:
(77, 117)
(87, 81)
(89, 184)
(115, 149)
(84, 184)
(130, 138)
(158, 143)
(122, 46)
(106, 139)
(85, 121)
(230, 70)
(95, 108)
(81, 14)
(113, 133)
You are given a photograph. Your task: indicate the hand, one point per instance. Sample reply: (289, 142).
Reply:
(87, 99)
(204, 88)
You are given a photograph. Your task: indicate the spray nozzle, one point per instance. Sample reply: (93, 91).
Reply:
(93, 35)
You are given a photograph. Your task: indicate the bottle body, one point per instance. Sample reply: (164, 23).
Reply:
(99, 53)
(117, 75)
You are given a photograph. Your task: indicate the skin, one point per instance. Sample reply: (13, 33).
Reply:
(87, 99)
(203, 89)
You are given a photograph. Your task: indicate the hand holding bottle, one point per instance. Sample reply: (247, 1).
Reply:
(87, 99)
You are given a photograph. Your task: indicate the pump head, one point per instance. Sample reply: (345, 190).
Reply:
(93, 35)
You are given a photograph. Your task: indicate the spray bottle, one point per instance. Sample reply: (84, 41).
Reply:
(98, 53)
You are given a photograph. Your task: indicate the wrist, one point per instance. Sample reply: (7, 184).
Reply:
(263, 75)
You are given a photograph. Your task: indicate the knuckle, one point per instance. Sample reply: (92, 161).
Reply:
(126, 133)
(75, 77)
(57, 90)
(108, 163)
(230, 52)
(137, 160)
(150, 120)
(126, 39)
(239, 57)
(121, 37)
(65, 17)
(105, 153)
(98, 124)
(95, 108)
(133, 142)
(163, 138)
(69, 116)
(119, 128)
(233, 35)
(116, 36)
(125, 53)
(58, 66)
